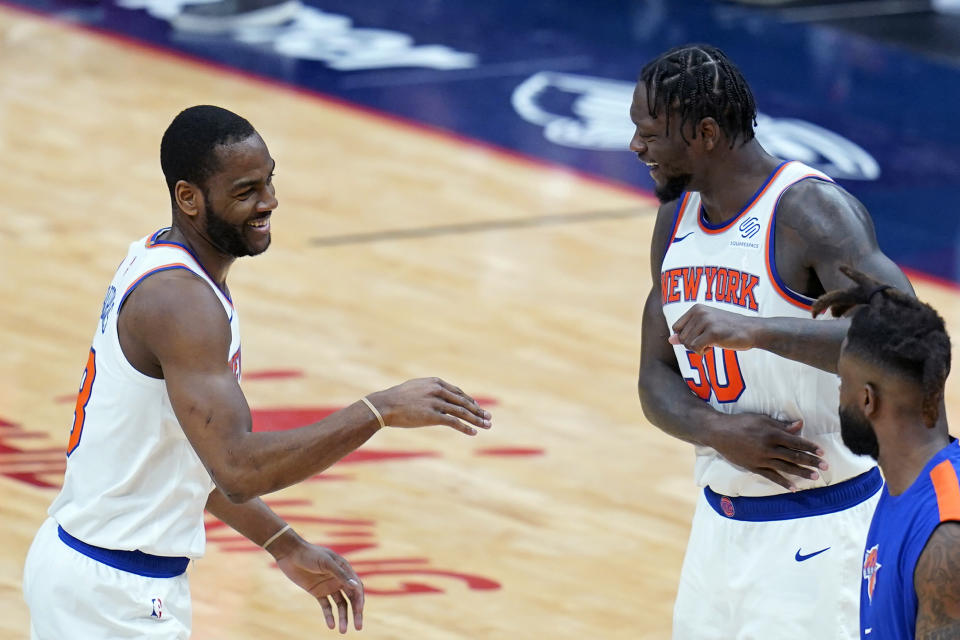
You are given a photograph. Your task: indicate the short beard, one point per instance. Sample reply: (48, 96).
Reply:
(226, 237)
(858, 433)
(674, 188)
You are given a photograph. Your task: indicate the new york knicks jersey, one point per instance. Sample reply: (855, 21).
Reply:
(732, 267)
(900, 529)
(133, 481)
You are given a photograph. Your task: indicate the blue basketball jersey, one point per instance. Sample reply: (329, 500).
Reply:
(900, 529)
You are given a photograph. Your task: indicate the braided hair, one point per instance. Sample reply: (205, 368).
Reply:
(895, 331)
(698, 81)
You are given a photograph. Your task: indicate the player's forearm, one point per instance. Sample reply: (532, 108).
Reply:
(812, 342)
(264, 462)
(670, 406)
(255, 521)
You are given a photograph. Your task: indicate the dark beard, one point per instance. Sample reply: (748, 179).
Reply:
(673, 189)
(226, 237)
(858, 433)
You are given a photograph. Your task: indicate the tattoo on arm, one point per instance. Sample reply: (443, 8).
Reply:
(937, 582)
(946, 633)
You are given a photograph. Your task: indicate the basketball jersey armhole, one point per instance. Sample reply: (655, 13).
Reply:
(677, 219)
(795, 298)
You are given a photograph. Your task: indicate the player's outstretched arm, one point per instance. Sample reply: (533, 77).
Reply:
(319, 571)
(174, 318)
(819, 227)
(768, 447)
(937, 583)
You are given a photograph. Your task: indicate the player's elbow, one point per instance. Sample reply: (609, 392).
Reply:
(235, 485)
(649, 382)
(645, 383)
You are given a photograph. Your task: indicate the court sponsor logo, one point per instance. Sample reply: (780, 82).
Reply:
(871, 566)
(588, 112)
(326, 37)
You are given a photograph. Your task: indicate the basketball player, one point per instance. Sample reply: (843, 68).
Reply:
(162, 429)
(893, 367)
(732, 362)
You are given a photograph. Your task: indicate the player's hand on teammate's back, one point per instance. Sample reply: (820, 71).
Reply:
(326, 576)
(430, 401)
(702, 327)
(768, 447)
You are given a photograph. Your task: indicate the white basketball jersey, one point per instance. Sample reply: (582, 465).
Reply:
(133, 481)
(732, 267)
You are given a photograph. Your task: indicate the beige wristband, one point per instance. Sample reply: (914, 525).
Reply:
(271, 539)
(375, 412)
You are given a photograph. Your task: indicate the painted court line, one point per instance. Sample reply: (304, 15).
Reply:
(478, 227)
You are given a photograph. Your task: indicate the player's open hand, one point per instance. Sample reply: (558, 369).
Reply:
(768, 447)
(702, 327)
(327, 577)
(430, 401)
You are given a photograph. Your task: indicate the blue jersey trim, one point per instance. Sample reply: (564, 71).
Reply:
(772, 251)
(161, 243)
(138, 562)
(144, 277)
(802, 504)
(702, 213)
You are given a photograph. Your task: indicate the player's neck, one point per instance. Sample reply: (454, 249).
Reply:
(215, 262)
(735, 177)
(904, 456)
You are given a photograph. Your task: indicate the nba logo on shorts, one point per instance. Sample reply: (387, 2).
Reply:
(870, 569)
(157, 608)
(726, 504)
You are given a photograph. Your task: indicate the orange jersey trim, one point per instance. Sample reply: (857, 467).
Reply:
(756, 198)
(773, 278)
(165, 267)
(945, 485)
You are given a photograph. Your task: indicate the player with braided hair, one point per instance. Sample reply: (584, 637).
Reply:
(893, 366)
(732, 362)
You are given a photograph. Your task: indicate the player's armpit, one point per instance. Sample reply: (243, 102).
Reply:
(937, 583)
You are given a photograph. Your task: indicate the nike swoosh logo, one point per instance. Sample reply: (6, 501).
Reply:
(682, 237)
(800, 557)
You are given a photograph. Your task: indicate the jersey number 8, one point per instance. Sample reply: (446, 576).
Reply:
(83, 397)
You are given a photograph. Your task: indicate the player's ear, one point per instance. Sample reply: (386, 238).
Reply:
(189, 197)
(708, 131)
(870, 401)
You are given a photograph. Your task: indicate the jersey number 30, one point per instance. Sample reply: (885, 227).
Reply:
(725, 383)
(80, 413)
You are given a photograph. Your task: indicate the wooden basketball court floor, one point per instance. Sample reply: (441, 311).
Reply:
(397, 253)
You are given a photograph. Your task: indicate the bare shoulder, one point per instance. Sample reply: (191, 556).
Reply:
(826, 213)
(821, 226)
(176, 315)
(937, 583)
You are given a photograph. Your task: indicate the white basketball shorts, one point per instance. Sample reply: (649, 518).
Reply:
(71, 595)
(776, 568)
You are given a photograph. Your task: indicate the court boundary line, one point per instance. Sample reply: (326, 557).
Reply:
(124, 40)
(480, 226)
